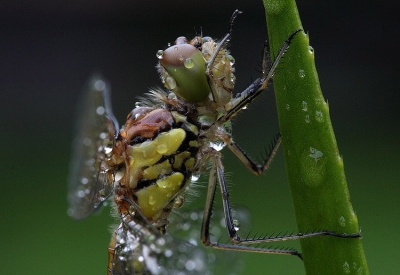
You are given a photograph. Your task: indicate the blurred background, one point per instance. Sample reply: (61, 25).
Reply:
(49, 49)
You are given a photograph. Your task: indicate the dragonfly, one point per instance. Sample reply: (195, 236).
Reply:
(170, 138)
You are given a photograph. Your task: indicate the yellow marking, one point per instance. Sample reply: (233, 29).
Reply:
(193, 143)
(181, 118)
(158, 169)
(189, 163)
(179, 159)
(153, 199)
(149, 152)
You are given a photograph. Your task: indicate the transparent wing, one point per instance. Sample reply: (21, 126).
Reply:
(139, 251)
(90, 180)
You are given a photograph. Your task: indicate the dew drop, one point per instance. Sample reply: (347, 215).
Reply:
(315, 154)
(189, 63)
(152, 200)
(346, 267)
(302, 73)
(232, 78)
(311, 49)
(162, 149)
(170, 83)
(342, 221)
(100, 110)
(160, 54)
(304, 106)
(319, 116)
(236, 225)
(195, 177)
(99, 85)
(231, 59)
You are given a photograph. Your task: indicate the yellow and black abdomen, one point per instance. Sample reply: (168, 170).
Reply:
(161, 155)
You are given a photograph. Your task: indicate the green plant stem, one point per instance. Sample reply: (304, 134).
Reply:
(314, 166)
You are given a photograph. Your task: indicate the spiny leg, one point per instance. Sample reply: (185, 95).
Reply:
(244, 98)
(260, 84)
(245, 159)
(217, 173)
(239, 244)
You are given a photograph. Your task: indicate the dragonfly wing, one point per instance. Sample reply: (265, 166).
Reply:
(89, 180)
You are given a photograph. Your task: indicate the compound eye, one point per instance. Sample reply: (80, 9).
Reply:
(186, 66)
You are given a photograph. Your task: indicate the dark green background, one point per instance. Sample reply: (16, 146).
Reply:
(48, 50)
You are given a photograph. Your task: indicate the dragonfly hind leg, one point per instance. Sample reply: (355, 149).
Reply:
(238, 243)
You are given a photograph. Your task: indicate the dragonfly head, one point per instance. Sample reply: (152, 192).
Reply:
(182, 68)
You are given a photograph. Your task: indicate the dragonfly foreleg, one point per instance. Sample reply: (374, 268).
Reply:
(260, 84)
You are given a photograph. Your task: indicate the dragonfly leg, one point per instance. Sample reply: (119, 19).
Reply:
(254, 167)
(239, 244)
(260, 84)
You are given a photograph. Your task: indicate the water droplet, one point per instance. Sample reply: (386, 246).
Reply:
(190, 265)
(152, 201)
(304, 106)
(170, 83)
(342, 221)
(302, 73)
(189, 63)
(195, 177)
(232, 78)
(160, 54)
(99, 85)
(231, 59)
(100, 110)
(236, 225)
(287, 107)
(346, 268)
(181, 57)
(315, 154)
(218, 145)
(103, 135)
(311, 49)
(307, 119)
(319, 116)
(162, 149)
